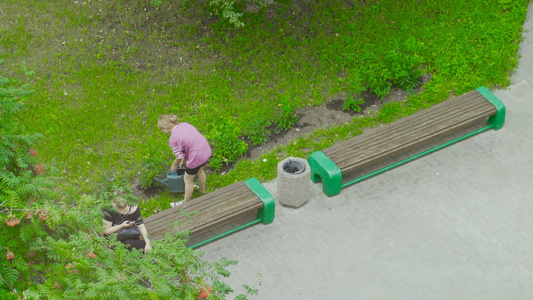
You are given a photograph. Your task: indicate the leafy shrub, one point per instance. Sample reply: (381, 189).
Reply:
(286, 116)
(227, 146)
(400, 67)
(404, 69)
(24, 188)
(153, 165)
(257, 131)
(353, 103)
(228, 10)
(375, 75)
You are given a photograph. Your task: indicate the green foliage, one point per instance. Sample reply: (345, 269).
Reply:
(505, 4)
(353, 104)
(154, 164)
(404, 69)
(113, 186)
(258, 131)
(400, 67)
(227, 146)
(390, 112)
(286, 116)
(146, 62)
(228, 10)
(90, 267)
(24, 188)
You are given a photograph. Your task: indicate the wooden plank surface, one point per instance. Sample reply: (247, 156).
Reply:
(404, 133)
(206, 211)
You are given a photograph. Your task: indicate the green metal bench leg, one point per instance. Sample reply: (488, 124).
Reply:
(323, 169)
(499, 118)
(267, 213)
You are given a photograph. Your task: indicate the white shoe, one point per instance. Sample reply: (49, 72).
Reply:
(174, 204)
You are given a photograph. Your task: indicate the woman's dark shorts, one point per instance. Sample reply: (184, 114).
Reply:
(195, 170)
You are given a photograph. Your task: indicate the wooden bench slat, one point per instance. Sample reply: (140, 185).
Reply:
(230, 199)
(403, 126)
(224, 217)
(220, 193)
(418, 119)
(391, 143)
(389, 134)
(198, 223)
(218, 207)
(183, 216)
(348, 166)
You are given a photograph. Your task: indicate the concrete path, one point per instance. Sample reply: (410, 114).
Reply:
(525, 63)
(456, 224)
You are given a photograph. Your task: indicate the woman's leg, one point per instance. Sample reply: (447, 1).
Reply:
(201, 180)
(189, 186)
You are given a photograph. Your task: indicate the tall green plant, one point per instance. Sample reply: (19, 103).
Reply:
(154, 163)
(257, 131)
(400, 67)
(227, 145)
(286, 116)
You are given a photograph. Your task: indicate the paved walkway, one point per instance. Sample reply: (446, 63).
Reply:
(456, 224)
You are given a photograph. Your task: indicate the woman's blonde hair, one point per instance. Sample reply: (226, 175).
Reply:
(167, 121)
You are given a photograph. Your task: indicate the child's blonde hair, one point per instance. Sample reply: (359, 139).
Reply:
(167, 121)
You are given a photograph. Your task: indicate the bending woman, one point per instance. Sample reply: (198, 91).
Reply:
(123, 216)
(190, 148)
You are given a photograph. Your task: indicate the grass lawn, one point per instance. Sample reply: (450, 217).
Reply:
(106, 69)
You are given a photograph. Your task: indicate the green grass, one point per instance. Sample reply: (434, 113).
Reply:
(105, 71)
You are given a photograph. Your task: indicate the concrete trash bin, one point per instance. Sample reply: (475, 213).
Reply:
(294, 182)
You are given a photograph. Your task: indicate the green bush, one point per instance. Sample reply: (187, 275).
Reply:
(226, 143)
(353, 103)
(400, 67)
(154, 164)
(258, 131)
(405, 69)
(286, 116)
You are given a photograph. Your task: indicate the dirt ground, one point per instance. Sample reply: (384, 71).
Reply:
(331, 114)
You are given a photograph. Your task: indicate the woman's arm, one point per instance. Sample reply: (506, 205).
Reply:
(109, 229)
(144, 233)
(177, 162)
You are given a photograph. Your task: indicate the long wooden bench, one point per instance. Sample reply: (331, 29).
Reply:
(404, 140)
(215, 208)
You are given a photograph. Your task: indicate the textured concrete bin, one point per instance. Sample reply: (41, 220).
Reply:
(293, 181)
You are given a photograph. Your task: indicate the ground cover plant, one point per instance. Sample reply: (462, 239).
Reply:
(103, 71)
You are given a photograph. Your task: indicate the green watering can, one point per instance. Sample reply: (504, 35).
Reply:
(174, 181)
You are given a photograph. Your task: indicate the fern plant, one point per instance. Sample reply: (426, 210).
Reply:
(23, 188)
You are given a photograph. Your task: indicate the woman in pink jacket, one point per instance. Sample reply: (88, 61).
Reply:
(190, 148)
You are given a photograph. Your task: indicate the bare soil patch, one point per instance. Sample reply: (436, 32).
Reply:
(331, 114)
